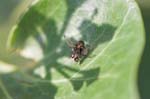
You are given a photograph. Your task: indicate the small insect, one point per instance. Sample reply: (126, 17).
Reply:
(79, 50)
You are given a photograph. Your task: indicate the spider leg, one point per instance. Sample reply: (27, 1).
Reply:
(69, 42)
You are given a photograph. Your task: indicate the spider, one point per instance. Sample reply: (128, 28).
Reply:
(78, 50)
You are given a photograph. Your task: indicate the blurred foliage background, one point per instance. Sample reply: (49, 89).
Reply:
(7, 8)
(144, 69)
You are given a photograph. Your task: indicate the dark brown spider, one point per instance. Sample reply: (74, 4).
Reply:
(78, 51)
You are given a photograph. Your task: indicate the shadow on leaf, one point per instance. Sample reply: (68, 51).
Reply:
(95, 35)
(21, 88)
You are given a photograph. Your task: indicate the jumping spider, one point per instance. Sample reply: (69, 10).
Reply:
(78, 50)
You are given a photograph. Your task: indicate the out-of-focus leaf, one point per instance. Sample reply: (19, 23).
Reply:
(10, 12)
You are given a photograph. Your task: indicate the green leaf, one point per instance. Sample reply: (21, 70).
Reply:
(115, 35)
(10, 12)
